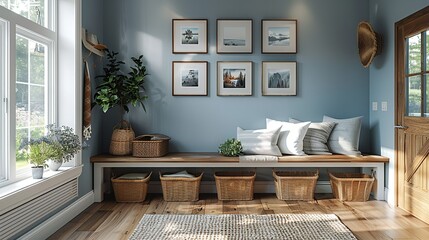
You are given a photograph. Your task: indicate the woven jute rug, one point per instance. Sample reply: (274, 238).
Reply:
(231, 226)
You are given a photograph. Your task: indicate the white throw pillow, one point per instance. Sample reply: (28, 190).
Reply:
(291, 136)
(261, 141)
(344, 138)
(316, 138)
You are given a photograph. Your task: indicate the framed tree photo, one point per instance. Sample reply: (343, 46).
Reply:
(190, 78)
(278, 78)
(279, 36)
(234, 36)
(234, 78)
(189, 36)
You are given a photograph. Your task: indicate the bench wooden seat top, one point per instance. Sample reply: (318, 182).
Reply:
(216, 158)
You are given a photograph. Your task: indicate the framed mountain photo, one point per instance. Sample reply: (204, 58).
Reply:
(279, 36)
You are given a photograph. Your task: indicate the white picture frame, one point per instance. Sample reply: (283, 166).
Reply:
(234, 78)
(279, 78)
(190, 78)
(189, 36)
(234, 36)
(279, 36)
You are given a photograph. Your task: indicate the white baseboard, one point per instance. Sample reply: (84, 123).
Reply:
(260, 187)
(50, 226)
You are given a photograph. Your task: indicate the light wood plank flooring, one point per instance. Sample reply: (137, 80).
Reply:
(368, 220)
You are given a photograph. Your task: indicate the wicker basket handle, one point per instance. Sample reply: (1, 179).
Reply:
(123, 124)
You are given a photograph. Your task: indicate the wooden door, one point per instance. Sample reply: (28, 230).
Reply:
(412, 113)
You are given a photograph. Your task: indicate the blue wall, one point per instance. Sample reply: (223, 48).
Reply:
(383, 15)
(92, 20)
(330, 78)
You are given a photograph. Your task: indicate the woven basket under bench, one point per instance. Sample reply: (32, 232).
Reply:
(180, 189)
(295, 185)
(130, 190)
(235, 185)
(351, 186)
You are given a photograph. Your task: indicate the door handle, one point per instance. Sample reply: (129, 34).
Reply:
(401, 127)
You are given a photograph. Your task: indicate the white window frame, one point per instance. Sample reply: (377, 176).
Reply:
(3, 99)
(65, 59)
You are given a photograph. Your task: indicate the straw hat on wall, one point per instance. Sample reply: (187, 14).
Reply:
(369, 43)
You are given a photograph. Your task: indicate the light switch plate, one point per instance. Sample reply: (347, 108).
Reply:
(374, 106)
(384, 106)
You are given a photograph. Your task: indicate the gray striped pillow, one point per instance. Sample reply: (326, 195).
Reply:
(316, 138)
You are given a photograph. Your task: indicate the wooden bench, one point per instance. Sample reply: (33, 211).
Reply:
(214, 160)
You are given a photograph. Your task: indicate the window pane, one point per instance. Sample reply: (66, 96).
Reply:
(414, 54)
(34, 10)
(31, 85)
(414, 96)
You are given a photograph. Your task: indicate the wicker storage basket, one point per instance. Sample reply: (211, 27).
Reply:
(180, 189)
(351, 186)
(150, 145)
(122, 137)
(235, 185)
(130, 190)
(295, 185)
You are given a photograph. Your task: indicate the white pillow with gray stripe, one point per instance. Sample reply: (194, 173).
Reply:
(344, 138)
(316, 138)
(259, 142)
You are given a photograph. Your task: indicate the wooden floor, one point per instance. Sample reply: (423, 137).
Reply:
(368, 220)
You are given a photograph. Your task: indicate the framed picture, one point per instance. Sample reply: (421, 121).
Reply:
(278, 78)
(189, 36)
(278, 36)
(190, 78)
(234, 78)
(234, 36)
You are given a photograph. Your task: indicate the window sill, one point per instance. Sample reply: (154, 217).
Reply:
(17, 193)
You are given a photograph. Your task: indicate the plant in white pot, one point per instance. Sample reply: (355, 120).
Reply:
(38, 151)
(118, 89)
(65, 142)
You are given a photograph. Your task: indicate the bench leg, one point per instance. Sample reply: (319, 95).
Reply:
(98, 183)
(379, 175)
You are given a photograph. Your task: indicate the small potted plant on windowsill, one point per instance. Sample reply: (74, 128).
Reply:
(65, 143)
(38, 152)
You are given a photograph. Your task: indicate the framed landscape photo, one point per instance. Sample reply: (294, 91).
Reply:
(234, 36)
(189, 36)
(234, 78)
(279, 36)
(278, 78)
(190, 78)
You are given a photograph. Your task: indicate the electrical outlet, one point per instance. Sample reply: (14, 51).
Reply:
(384, 106)
(374, 106)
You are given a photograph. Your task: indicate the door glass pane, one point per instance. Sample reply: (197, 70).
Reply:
(426, 76)
(427, 50)
(31, 92)
(35, 10)
(414, 96)
(414, 54)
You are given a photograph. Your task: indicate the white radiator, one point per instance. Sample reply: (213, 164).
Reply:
(29, 213)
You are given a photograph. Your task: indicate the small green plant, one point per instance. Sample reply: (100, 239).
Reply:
(65, 142)
(118, 89)
(231, 148)
(40, 150)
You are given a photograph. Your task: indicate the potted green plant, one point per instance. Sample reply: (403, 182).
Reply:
(38, 152)
(65, 143)
(118, 89)
(231, 148)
